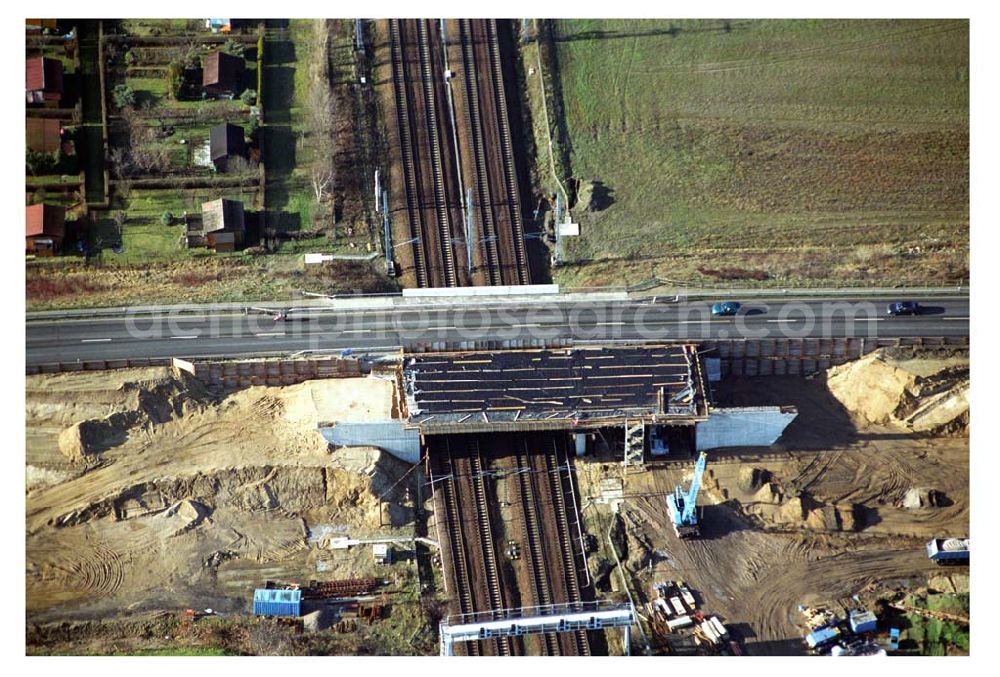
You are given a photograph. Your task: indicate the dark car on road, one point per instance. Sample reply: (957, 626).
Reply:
(903, 308)
(725, 308)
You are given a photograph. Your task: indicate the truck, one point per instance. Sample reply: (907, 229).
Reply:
(946, 551)
(675, 602)
(893, 639)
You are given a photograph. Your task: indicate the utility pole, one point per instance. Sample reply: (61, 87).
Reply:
(469, 239)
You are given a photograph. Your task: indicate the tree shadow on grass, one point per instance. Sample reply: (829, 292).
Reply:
(723, 26)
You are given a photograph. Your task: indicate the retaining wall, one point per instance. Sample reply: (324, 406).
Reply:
(227, 374)
(248, 373)
(802, 356)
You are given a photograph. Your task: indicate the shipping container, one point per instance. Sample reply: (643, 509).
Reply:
(863, 621)
(277, 602)
(675, 602)
(821, 637)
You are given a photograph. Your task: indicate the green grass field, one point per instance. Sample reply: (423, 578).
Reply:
(807, 152)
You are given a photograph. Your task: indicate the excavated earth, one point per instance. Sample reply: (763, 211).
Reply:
(144, 491)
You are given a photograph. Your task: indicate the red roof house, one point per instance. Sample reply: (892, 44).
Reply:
(44, 228)
(43, 80)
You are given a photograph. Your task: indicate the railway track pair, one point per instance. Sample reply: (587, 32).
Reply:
(476, 553)
(416, 123)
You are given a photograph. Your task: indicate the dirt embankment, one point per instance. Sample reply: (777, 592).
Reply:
(146, 492)
(914, 392)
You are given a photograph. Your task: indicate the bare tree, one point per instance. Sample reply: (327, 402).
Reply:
(321, 124)
(322, 179)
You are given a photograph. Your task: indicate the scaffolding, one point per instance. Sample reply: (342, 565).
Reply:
(635, 442)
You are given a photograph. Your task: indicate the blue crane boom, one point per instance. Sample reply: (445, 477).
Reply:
(682, 505)
(687, 517)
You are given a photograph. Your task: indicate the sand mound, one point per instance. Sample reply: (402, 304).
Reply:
(769, 493)
(155, 399)
(751, 479)
(916, 394)
(81, 441)
(920, 497)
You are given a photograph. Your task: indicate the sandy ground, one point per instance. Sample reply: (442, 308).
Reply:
(170, 498)
(815, 519)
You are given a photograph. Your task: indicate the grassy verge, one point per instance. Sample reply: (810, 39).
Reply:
(839, 146)
(199, 278)
(932, 636)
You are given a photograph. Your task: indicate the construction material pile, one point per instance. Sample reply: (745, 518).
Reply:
(910, 391)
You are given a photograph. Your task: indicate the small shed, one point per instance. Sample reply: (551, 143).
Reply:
(382, 553)
(227, 141)
(40, 24)
(224, 241)
(43, 135)
(223, 214)
(43, 81)
(222, 73)
(45, 227)
(277, 602)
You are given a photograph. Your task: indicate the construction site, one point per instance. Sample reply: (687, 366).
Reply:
(427, 446)
(544, 501)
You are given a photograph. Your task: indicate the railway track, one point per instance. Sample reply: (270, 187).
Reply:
(456, 540)
(410, 167)
(532, 536)
(494, 584)
(554, 475)
(516, 240)
(440, 192)
(474, 124)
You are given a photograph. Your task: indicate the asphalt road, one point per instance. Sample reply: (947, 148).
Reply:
(323, 329)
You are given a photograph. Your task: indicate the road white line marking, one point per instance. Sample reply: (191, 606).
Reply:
(183, 337)
(611, 323)
(273, 333)
(94, 340)
(954, 319)
(524, 325)
(790, 319)
(356, 331)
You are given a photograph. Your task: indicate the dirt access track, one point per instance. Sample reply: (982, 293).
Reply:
(842, 505)
(146, 492)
